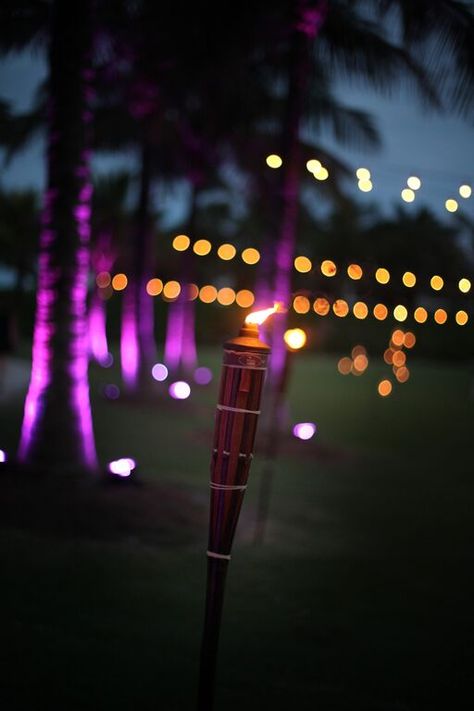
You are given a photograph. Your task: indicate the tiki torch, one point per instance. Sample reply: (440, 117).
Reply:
(243, 371)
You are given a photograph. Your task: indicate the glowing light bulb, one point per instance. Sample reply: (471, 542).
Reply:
(122, 467)
(380, 312)
(464, 285)
(250, 255)
(119, 282)
(313, 165)
(407, 195)
(244, 298)
(154, 287)
(181, 243)
(226, 296)
(208, 294)
(413, 182)
(382, 275)
(180, 390)
(273, 161)
(321, 306)
(301, 304)
(363, 173)
(303, 264)
(354, 271)
(440, 316)
(202, 247)
(159, 372)
(436, 282)
(465, 191)
(400, 312)
(360, 310)
(365, 186)
(171, 290)
(321, 174)
(451, 205)
(304, 430)
(295, 338)
(461, 318)
(409, 279)
(340, 308)
(328, 268)
(420, 315)
(384, 388)
(226, 251)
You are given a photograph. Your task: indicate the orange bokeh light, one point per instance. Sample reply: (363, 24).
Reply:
(321, 306)
(409, 339)
(360, 310)
(440, 316)
(103, 280)
(244, 298)
(420, 314)
(399, 358)
(344, 365)
(119, 282)
(226, 296)
(354, 271)
(154, 287)
(380, 312)
(340, 308)
(301, 304)
(208, 294)
(171, 290)
(328, 268)
(384, 388)
(397, 337)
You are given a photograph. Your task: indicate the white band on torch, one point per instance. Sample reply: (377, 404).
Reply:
(242, 455)
(218, 555)
(237, 409)
(227, 487)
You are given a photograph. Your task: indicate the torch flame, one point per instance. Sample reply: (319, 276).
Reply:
(259, 317)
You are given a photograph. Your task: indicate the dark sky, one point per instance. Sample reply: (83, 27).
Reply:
(439, 149)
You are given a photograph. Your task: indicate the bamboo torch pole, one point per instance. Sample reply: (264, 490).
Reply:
(243, 371)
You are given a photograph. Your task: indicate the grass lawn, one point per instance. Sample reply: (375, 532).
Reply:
(360, 598)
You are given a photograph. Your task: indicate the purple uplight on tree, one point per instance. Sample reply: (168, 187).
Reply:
(304, 430)
(3, 456)
(97, 333)
(57, 406)
(122, 467)
(180, 345)
(129, 341)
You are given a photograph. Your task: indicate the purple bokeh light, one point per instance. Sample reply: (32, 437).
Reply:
(180, 390)
(304, 430)
(159, 372)
(122, 467)
(3, 456)
(203, 375)
(111, 391)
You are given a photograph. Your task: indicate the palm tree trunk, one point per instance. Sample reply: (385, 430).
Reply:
(138, 348)
(180, 341)
(306, 24)
(57, 423)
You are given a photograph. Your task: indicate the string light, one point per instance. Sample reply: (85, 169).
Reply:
(226, 251)
(250, 255)
(354, 271)
(202, 247)
(384, 388)
(409, 279)
(119, 282)
(313, 165)
(420, 315)
(274, 161)
(461, 318)
(408, 195)
(363, 174)
(413, 182)
(154, 287)
(181, 243)
(465, 191)
(382, 275)
(464, 285)
(328, 268)
(451, 205)
(303, 264)
(440, 316)
(436, 282)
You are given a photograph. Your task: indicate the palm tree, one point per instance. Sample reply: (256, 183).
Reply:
(110, 223)
(57, 423)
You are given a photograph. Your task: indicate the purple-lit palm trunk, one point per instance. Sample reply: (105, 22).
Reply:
(57, 422)
(180, 343)
(309, 18)
(103, 259)
(137, 340)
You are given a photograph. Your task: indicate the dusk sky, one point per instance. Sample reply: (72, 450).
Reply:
(437, 148)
